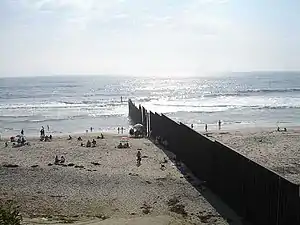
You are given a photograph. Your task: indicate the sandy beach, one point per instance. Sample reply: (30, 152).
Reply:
(278, 151)
(100, 185)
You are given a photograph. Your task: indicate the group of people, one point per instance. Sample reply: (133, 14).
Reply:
(21, 141)
(284, 129)
(206, 126)
(121, 130)
(89, 143)
(44, 137)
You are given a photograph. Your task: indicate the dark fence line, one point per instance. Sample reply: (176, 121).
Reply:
(256, 193)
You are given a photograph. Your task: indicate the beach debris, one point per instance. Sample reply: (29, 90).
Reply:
(79, 166)
(34, 166)
(103, 217)
(162, 167)
(146, 208)
(148, 182)
(71, 164)
(133, 213)
(96, 163)
(179, 209)
(50, 164)
(10, 165)
(173, 201)
(176, 207)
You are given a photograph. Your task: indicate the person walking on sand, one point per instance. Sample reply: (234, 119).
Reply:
(122, 129)
(220, 124)
(91, 129)
(192, 126)
(205, 127)
(138, 157)
(22, 132)
(118, 130)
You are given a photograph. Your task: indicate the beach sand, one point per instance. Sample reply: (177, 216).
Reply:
(114, 191)
(278, 151)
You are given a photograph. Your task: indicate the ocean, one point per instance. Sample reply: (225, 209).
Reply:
(73, 104)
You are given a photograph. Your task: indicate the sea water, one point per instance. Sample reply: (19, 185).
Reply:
(71, 104)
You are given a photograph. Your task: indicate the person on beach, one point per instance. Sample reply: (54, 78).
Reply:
(62, 159)
(91, 129)
(192, 126)
(70, 138)
(220, 124)
(138, 157)
(48, 128)
(102, 137)
(122, 129)
(88, 144)
(118, 130)
(205, 127)
(94, 143)
(22, 132)
(6, 144)
(50, 137)
(121, 99)
(56, 161)
(86, 131)
(79, 139)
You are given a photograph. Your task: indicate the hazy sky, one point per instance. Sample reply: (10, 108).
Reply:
(153, 37)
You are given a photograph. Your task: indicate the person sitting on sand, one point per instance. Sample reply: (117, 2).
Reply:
(102, 137)
(82, 145)
(118, 130)
(23, 141)
(98, 137)
(88, 144)
(62, 159)
(12, 139)
(120, 145)
(56, 161)
(94, 143)
(70, 137)
(278, 129)
(285, 130)
(50, 137)
(79, 139)
(6, 144)
(126, 145)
